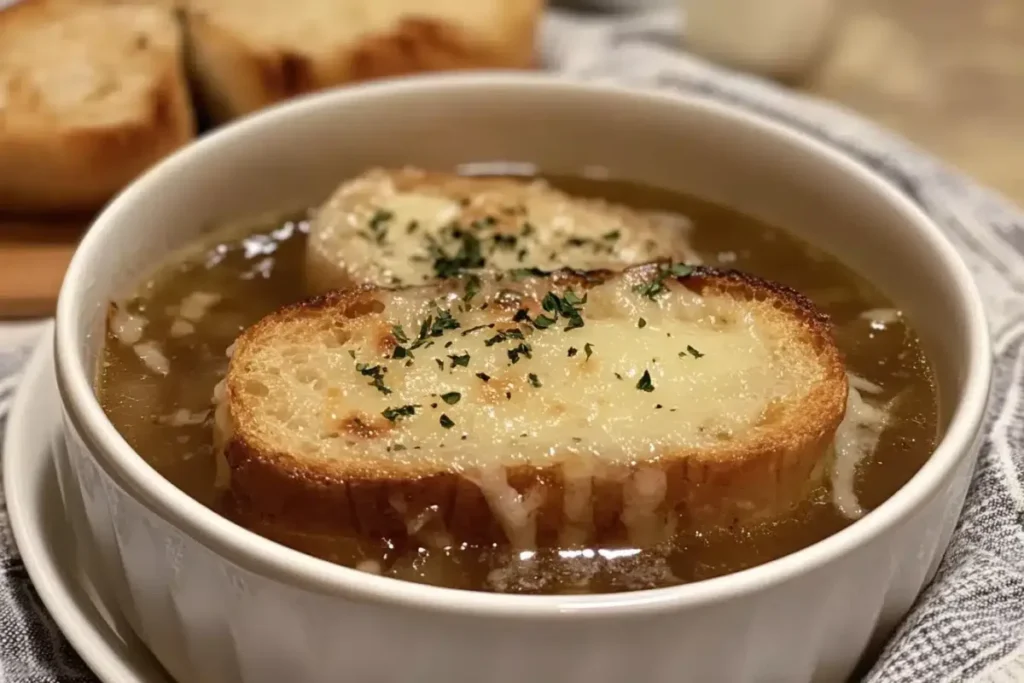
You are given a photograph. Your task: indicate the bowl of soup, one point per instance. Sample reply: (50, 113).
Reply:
(722, 571)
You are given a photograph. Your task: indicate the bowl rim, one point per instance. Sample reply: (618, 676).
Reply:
(263, 557)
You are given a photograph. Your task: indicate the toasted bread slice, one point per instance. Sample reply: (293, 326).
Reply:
(91, 95)
(557, 409)
(251, 53)
(409, 226)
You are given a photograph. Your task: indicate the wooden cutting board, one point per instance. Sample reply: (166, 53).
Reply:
(33, 257)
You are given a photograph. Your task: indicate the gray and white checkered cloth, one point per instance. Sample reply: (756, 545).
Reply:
(969, 624)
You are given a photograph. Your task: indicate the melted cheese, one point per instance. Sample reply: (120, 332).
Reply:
(577, 502)
(127, 327)
(516, 512)
(855, 440)
(425, 525)
(713, 365)
(152, 356)
(642, 497)
(223, 430)
(386, 229)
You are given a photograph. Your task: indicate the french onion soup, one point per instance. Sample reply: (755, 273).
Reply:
(520, 385)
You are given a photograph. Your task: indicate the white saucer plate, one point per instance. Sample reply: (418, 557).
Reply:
(44, 537)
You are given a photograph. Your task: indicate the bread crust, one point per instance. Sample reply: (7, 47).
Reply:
(63, 162)
(741, 481)
(238, 75)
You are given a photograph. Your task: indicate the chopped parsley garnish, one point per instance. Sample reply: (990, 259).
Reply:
(443, 321)
(375, 372)
(574, 300)
(466, 258)
(651, 289)
(412, 226)
(534, 380)
(574, 322)
(564, 306)
(434, 327)
(618, 376)
(572, 351)
(472, 288)
(641, 323)
(527, 229)
(542, 321)
(680, 270)
(694, 352)
(424, 329)
(504, 335)
(657, 285)
(399, 334)
(523, 273)
(522, 349)
(588, 349)
(400, 352)
(460, 360)
(451, 398)
(476, 329)
(613, 235)
(352, 353)
(502, 241)
(446, 421)
(394, 414)
(377, 225)
(379, 217)
(521, 316)
(484, 376)
(645, 382)
(440, 363)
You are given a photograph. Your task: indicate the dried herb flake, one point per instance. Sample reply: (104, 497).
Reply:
(645, 383)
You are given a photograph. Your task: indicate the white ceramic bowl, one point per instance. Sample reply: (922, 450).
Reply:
(217, 603)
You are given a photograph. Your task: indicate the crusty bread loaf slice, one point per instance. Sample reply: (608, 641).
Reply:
(91, 95)
(408, 226)
(535, 409)
(251, 53)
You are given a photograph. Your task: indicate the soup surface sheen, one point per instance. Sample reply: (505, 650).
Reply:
(156, 381)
